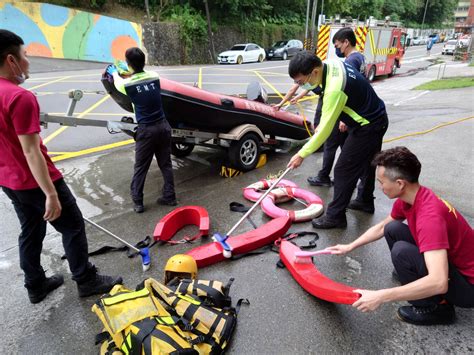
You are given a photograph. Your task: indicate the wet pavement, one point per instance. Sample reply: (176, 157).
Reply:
(282, 317)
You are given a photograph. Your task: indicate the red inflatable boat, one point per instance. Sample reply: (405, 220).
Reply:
(190, 107)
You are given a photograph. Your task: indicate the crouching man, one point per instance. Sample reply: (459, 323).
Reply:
(433, 255)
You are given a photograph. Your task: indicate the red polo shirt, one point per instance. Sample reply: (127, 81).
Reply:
(435, 224)
(19, 115)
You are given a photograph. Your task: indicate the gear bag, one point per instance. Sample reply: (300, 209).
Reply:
(156, 319)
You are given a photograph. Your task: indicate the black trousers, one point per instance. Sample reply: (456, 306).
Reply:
(354, 163)
(153, 139)
(335, 140)
(410, 266)
(30, 207)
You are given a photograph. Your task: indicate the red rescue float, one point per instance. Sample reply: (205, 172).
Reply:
(314, 204)
(252, 193)
(313, 281)
(177, 219)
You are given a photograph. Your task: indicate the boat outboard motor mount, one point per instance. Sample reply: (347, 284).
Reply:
(256, 92)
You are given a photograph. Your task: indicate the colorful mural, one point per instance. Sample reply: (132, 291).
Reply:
(59, 32)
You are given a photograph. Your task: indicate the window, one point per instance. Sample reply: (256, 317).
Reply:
(394, 42)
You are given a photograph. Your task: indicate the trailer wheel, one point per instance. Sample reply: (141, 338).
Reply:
(181, 150)
(394, 69)
(244, 153)
(371, 75)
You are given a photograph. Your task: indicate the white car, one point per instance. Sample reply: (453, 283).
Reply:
(418, 40)
(449, 47)
(242, 53)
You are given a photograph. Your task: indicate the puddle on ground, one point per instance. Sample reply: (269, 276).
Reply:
(354, 268)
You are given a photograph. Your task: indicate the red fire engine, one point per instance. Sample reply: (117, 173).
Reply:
(383, 46)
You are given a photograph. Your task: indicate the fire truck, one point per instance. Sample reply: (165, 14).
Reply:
(382, 43)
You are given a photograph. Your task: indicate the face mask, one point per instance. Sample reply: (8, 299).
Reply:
(308, 86)
(22, 77)
(339, 53)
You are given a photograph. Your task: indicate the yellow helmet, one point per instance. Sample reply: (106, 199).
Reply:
(182, 266)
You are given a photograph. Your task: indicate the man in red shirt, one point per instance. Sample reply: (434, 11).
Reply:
(34, 185)
(433, 255)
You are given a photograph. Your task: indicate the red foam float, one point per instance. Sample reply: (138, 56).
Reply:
(180, 217)
(313, 281)
(213, 252)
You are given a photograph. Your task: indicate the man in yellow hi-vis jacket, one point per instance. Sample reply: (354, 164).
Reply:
(348, 96)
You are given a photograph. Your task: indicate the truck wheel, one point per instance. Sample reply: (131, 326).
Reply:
(394, 70)
(285, 56)
(181, 150)
(371, 75)
(244, 153)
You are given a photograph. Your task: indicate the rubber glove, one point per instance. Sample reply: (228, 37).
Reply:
(122, 68)
(111, 69)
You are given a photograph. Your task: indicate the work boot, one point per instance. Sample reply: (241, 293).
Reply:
(39, 293)
(367, 207)
(318, 181)
(164, 202)
(138, 206)
(328, 223)
(431, 315)
(97, 284)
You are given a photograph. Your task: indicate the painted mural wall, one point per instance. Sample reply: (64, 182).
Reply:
(60, 32)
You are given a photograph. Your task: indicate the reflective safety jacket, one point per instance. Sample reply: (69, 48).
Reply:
(144, 91)
(347, 95)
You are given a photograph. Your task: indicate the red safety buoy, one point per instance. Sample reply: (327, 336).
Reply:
(312, 280)
(177, 219)
(314, 204)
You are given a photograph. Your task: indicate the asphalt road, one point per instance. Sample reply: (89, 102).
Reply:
(282, 318)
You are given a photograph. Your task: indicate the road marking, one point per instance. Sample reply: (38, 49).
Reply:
(411, 98)
(428, 130)
(48, 83)
(200, 78)
(62, 129)
(270, 85)
(92, 150)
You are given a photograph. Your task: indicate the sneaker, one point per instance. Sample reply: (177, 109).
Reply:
(431, 315)
(162, 201)
(367, 207)
(36, 295)
(98, 285)
(328, 223)
(317, 181)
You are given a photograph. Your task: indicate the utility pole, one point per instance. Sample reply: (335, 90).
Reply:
(147, 8)
(424, 15)
(209, 33)
(313, 24)
(306, 27)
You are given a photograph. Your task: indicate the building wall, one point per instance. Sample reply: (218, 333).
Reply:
(59, 32)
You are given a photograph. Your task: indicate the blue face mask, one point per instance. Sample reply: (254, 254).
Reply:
(339, 53)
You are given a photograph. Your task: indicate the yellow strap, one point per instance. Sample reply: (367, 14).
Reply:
(108, 301)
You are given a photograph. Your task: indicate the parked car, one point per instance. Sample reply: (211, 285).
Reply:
(284, 49)
(449, 47)
(242, 53)
(464, 41)
(418, 40)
